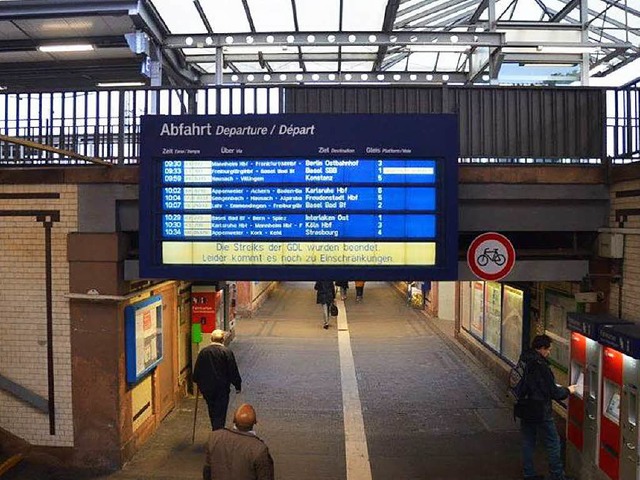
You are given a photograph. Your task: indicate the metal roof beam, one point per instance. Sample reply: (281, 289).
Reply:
(475, 16)
(283, 57)
(617, 4)
(566, 10)
(414, 7)
(442, 11)
(334, 39)
(390, 15)
(597, 15)
(394, 59)
(147, 19)
(345, 78)
(449, 19)
(203, 16)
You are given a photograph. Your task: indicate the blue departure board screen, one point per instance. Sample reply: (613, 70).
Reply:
(324, 197)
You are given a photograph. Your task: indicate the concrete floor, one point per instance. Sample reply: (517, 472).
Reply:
(430, 410)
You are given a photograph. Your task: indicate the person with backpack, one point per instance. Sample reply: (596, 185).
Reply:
(535, 393)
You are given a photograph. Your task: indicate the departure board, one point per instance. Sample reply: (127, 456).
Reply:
(299, 197)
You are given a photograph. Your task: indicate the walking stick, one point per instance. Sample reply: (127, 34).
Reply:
(195, 416)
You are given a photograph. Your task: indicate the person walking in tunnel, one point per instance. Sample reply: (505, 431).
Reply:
(536, 414)
(238, 454)
(214, 372)
(344, 286)
(325, 296)
(359, 290)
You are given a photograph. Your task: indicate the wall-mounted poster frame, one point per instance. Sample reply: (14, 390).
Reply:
(477, 309)
(143, 337)
(515, 323)
(497, 315)
(556, 306)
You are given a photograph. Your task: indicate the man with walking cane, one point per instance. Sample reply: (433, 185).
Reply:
(214, 373)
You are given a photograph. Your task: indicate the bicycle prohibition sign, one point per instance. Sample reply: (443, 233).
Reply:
(491, 256)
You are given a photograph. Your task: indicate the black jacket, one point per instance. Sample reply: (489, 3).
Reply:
(540, 383)
(216, 369)
(326, 293)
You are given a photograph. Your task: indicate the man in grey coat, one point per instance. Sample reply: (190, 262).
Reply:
(238, 454)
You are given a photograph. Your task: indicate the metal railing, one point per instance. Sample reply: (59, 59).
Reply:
(106, 123)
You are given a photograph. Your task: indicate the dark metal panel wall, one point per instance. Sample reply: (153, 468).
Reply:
(494, 122)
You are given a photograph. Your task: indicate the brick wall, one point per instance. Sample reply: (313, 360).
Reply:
(25, 210)
(629, 300)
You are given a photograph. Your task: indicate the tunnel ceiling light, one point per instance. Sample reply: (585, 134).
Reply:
(120, 84)
(79, 47)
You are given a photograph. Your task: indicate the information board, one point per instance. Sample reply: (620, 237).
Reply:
(300, 197)
(143, 337)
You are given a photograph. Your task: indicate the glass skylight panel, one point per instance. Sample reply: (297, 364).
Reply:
(285, 67)
(321, 66)
(272, 16)
(320, 50)
(225, 16)
(423, 61)
(357, 66)
(249, 67)
(363, 15)
(180, 16)
(360, 49)
(318, 15)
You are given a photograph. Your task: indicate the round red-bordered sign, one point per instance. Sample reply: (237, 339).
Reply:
(491, 256)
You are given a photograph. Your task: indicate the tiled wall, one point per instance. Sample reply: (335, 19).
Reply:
(23, 308)
(630, 298)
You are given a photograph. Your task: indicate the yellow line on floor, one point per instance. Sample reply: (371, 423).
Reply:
(356, 451)
(10, 462)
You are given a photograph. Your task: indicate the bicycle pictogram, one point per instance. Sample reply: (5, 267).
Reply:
(491, 255)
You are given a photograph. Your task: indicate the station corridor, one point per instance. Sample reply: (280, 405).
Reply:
(423, 407)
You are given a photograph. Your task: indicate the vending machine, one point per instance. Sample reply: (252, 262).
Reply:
(585, 368)
(619, 439)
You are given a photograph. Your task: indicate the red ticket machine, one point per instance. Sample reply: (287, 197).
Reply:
(585, 368)
(609, 449)
(619, 440)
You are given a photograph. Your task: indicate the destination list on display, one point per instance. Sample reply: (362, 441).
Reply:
(382, 199)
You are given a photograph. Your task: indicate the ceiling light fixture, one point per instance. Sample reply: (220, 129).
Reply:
(80, 47)
(120, 84)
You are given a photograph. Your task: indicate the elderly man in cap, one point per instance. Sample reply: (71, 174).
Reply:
(238, 454)
(214, 372)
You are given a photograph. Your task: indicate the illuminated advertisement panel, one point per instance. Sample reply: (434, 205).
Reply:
(299, 197)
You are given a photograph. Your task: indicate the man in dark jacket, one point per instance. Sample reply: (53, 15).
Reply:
(325, 296)
(238, 454)
(541, 388)
(214, 372)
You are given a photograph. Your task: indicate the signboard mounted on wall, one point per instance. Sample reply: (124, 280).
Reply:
(299, 197)
(143, 337)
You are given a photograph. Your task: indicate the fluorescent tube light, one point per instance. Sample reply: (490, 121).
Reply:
(120, 84)
(83, 47)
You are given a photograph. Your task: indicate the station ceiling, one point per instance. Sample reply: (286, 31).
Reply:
(230, 42)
